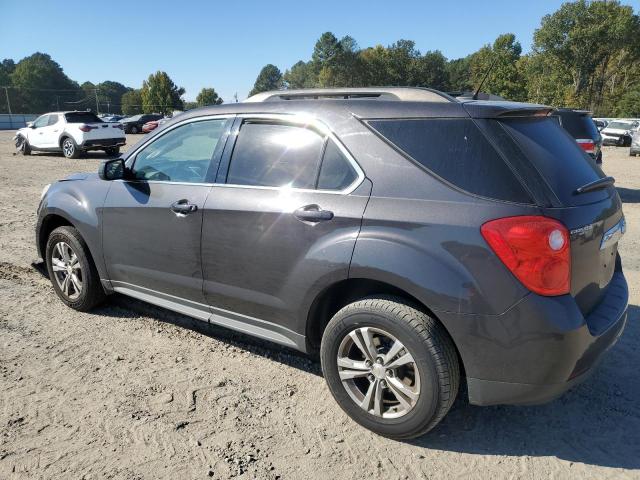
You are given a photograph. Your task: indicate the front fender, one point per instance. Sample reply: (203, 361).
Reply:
(80, 204)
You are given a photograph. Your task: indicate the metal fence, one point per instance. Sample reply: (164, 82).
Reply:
(15, 121)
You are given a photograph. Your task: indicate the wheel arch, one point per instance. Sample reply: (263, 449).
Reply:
(336, 296)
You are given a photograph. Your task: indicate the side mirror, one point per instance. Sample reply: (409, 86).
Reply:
(112, 169)
(30, 125)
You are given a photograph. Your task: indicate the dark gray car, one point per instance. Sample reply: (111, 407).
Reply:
(413, 240)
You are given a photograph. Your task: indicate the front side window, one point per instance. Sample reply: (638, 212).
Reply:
(181, 155)
(42, 121)
(275, 155)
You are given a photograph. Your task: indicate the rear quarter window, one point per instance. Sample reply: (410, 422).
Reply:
(456, 151)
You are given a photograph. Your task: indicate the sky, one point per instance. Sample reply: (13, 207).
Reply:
(225, 44)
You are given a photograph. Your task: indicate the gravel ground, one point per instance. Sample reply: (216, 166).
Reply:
(131, 391)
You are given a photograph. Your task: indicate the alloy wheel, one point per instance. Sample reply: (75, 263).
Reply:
(67, 270)
(68, 148)
(378, 372)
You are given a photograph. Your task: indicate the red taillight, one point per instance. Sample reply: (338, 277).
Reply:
(586, 144)
(117, 125)
(535, 249)
(85, 128)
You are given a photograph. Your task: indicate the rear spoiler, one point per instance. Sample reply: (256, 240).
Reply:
(495, 109)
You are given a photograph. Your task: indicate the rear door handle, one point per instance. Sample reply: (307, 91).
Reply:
(313, 213)
(183, 207)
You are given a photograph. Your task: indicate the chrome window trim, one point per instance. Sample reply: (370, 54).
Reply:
(294, 119)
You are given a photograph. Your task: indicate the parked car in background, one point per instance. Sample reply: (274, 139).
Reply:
(408, 241)
(619, 132)
(582, 128)
(153, 124)
(635, 143)
(134, 124)
(112, 118)
(600, 124)
(70, 132)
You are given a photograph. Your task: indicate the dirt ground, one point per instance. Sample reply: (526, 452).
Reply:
(131, 391)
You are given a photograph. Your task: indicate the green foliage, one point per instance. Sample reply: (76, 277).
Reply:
(500, 63)
(109, 96)
(37, 79)
(269, 78)
(131, 103)
(208, 96)
(160, 95)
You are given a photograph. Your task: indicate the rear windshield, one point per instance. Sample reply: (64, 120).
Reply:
(621, 125)
(456, 151)
(82, 117)
(579, 125)
(557, 157)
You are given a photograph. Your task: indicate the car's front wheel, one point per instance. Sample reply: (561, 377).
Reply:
(70, 148)
(71, 269)
(391, 367)
(133, 129)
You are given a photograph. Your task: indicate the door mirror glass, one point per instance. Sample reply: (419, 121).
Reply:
(112, 169)
(30, 125)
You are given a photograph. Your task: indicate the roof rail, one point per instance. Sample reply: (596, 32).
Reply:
(398, 94)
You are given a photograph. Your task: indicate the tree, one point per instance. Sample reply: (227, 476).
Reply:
(160, 94)
(301, 75)
(585, 46)
(499, 63)
(430, 70)
(38, 80)
(459, 72)
(6, 69)
(269, 78)
(131, 103)
(208, 96)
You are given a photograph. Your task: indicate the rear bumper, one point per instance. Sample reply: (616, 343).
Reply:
(103, 142)
(539, 348)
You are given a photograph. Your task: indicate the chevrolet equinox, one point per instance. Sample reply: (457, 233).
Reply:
(413, 240)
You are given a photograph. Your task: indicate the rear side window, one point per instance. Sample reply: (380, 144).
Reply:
(275, 155)
(53, 119)
(82, 117)
(336, 173)
(557, 157)
(456, 151)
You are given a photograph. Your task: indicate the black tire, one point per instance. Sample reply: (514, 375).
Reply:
(433, 352)
(133, 129)
(112, 151)
(70, 148)
(91, 292)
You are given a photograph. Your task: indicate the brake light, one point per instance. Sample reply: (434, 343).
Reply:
(117, 125)
(86, 128)
(535, 249)
(587, 145)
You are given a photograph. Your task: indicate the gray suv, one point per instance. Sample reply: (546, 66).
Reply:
(413, 240)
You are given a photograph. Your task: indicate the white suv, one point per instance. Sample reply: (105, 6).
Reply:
(70, 132)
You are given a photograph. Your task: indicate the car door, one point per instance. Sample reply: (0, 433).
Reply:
(275, 232)
(36, 135)
(152, 220)
(51, 132)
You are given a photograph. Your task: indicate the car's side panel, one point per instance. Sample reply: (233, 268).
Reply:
(261, 261)
(435, 252)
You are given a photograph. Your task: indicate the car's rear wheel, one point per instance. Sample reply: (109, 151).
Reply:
(69, 148)
(133, 129)
(112, 151)
(391, 367)
(71, 269)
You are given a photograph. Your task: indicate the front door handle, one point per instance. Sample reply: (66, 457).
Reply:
(183, 207)
(313, 213)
